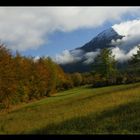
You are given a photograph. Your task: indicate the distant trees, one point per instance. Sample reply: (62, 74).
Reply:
(106, 73)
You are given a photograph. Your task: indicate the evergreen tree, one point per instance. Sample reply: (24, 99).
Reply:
(134, 65)
(105, 65)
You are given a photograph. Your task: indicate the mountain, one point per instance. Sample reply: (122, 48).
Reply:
(102, 40)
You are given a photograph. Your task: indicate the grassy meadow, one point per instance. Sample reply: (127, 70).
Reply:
(82, 110)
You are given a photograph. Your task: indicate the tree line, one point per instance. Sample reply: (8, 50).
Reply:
(23, 79)
(106, 70)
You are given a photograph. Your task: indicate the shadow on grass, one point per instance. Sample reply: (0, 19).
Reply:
(124, 119)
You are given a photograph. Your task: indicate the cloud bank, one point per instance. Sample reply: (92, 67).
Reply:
(75, 55)
(64, 58)
(23, 28)
(90, 57)
(69, 56)
(131, 32)
(120, 54)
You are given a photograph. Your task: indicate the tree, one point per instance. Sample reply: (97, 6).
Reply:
(62, 79)
(105, 65)
(7, 81)
(134, 65)
(51, 87)
(87, 78)
(76, 78)
(136, 57)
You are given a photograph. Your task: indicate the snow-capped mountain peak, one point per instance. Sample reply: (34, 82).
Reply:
(102, 40)
(110, 32)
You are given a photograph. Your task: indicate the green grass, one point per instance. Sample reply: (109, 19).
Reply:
(83, 110)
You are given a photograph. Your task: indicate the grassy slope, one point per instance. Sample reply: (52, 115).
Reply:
(83, 110)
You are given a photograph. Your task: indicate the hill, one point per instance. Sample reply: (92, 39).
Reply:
(82, 110)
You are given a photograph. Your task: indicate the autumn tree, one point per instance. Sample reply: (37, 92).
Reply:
(51, 86)
(76, 78)
(87, 78)
(62, 79)
(7, 82)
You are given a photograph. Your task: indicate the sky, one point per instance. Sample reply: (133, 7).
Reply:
(48, 31)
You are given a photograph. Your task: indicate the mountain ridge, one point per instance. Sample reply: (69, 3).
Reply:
(102, 40)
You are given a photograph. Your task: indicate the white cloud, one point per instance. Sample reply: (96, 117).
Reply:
(69, 56)
(121, 55)
(131, 31)
(24, 28)
(36, 58)
(75, 56)
(132, 51)
(128, 28)
(64, 58)
(90, 57)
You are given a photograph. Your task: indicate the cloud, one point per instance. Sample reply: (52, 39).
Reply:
(77, 53)
(23, 28)
(68, 57)
(128, 28)
(87, 58)
(75, 56)
(90, 57)
(121, 55)
(131, 32)
(36, 58)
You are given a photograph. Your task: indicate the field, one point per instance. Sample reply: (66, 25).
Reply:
(82, 110)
